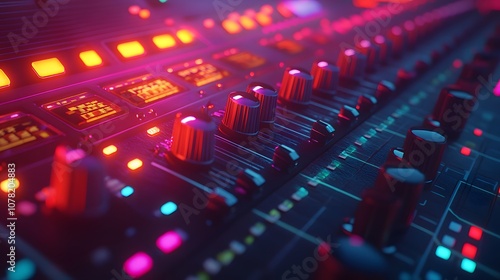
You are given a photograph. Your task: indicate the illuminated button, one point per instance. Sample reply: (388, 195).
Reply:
(153, 131)
(225, 257)
(109, 150)
(144, 13)
(465, 151)
(48, 67)
(212, 266)
(432, 275)
(168, 208)
(130, 49)
(449, 241)
(475, 233)
(138, 264)
(264, 19)
(185, 36)
(284, 11)
(247, 22)
(478, 132)
(127, 191)
(468, 265)
(231, 26)
(134, 9)
(169, 242)
(4, 80)
(7, 184)
(443, 252)
(300, 194)
(469, 250)
(237, 247)
(164, 41)
(209, 23)
(25, 269)
(258, 229)
(134, 164)
(91, 58)
(454, 226)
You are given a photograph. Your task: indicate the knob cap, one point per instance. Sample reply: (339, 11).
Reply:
(366, 103)
(285, 158)
(371, 52)
(423, 149)
(385, 90)
(407, 184)
(77, 184)
(268, 98)
(375, 216)
(321, 132)
(347, 115)
(249, 181)
(453, 109)
(404, 77)
(296, 87)
(397, 38)
(385, 47)
(352, 65)
(242, 117)
(326, 77)
(412, 33)
(193, 139)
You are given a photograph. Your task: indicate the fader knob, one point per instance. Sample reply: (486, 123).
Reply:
(193, 139)
(452, 110)
(77, 184)
(268, 98)
(352, 65)
(407, 184)
(326, 77)
(296, 87)
(285, 158)
(242, 115)
(385, 90)
(347, 115)
(423, 149)
(366, 103)
(321, 132)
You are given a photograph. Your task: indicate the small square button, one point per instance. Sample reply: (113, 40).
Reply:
(454, 226)
(449, 241)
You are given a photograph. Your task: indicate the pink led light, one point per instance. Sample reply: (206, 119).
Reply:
(294, 71)
(349, 52)
(236, 97)
(409, 25)
(138, 264)
(169, 241)
(256, 88)
(188, 119)
(322, 64)
(379, 39)
(396, 30)
(496, 90)
(365, 43)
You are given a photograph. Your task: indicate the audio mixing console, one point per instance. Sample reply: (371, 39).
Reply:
(238, 139)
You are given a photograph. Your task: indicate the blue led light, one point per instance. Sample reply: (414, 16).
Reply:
(127, 191)
(168, 208)
(468, 265)
(25, 269)
(443, 252)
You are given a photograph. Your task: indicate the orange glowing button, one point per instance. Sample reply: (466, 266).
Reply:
(109, 150)
(263, 19)
(185, 36)
(164, 41)
(4, 80)
(153, 131)
(144, 13)
(7, 184)
(91, 58)
(130, 49)
(209, 23)
(48, 67)
(231, 26)
(247, 22)
(134, 164)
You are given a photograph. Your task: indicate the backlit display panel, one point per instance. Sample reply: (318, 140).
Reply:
(202, 74)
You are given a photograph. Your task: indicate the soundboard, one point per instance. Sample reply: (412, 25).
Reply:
(264, 139)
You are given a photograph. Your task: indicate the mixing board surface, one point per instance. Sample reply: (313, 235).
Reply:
(232, 139)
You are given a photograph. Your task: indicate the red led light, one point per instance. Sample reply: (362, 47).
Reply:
(465, 151)
(457, 63)
(478, 132)
(475, 233)
(469, 250)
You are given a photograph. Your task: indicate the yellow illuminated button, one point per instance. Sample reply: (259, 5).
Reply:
(7, 184)
(263, 19)
(130, 49)
(231, 26)
(164, 41)
(48, 67)
(91, 58)
(185, 36)
(247, 22)
(109, 150)
(4, 80)
(134, 164)
(153, 131)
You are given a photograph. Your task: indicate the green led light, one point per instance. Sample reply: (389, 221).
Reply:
(443, 252)
(127, 191)
(225, 257)
(249, 240)
(168, 208)
(468, 265)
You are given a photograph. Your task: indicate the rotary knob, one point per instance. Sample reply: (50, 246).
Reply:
(407, 184)
(268, 98)
(77, 184)
(352, 65)
(296, 87)
(384, 46)
(365, 103)
(321, 132)
(326, 77)
(371, 52)
(453, 109)
(423, 149)
(193, 139)
(397, 38)
(385, 90)
(242, 115)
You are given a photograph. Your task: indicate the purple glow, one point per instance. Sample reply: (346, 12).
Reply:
(138, 264)
(303, 8)
(349, 52)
